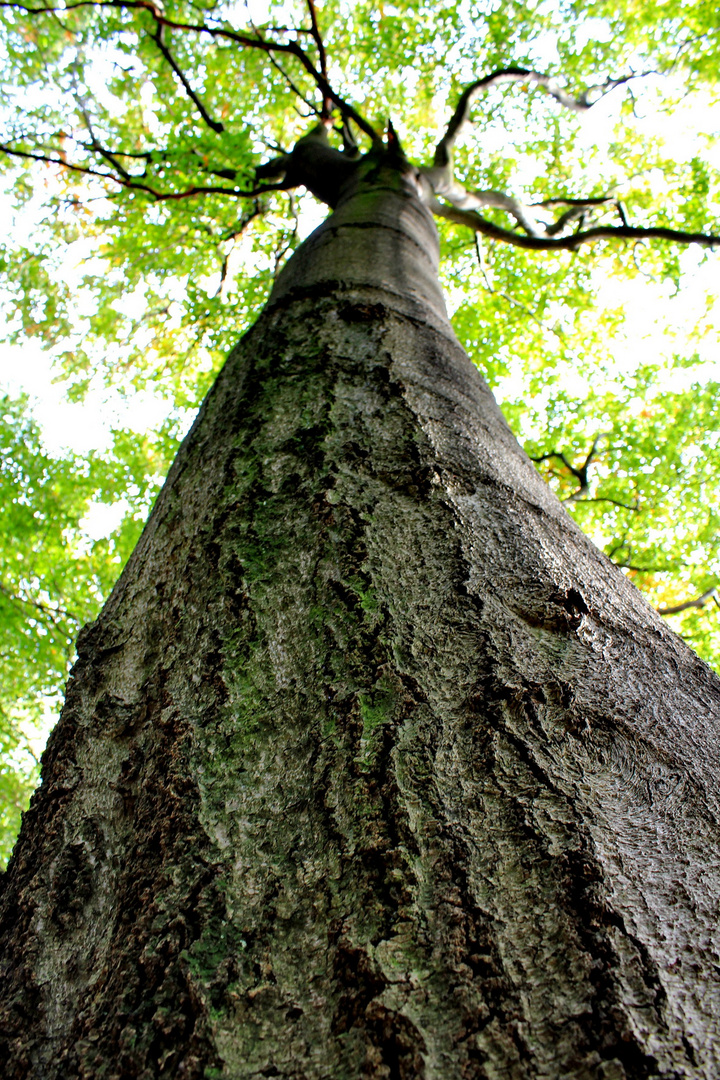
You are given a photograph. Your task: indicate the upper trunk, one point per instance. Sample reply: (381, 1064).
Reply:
(372, 766)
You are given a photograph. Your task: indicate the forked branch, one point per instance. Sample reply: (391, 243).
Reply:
(461, 116)
(450, 199)
(580, 472)
(135, 184)
(440, 176)
(159, 40)
(219, 32)
(575, 240)
(698, 602)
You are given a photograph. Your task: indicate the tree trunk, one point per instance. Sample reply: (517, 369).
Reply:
(372, 766)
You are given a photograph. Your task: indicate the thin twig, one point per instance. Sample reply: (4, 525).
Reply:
(317, 37)
(698, 602)
(295, 89)
(641, 569)
(215, 125)
(134, 185)
(96, 146)
(606, 498)
(570, 243)
(54, 614)
(517, 75)
(292, 48)
(507, 296)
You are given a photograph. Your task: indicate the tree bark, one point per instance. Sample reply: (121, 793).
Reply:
(372, 766)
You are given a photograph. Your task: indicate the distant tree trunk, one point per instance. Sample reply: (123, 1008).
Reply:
(372, 766)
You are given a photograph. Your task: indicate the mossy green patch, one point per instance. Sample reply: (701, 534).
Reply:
(219, 941)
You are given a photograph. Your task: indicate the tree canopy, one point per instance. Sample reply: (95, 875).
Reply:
(147, 153)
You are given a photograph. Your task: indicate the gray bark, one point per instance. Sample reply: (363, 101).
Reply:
(372, 766)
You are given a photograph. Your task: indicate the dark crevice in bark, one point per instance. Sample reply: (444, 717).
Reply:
(350, 307)
(139, 1014)
(335, 232)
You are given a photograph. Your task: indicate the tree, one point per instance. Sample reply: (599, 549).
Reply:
(372, 764)
(103, 279)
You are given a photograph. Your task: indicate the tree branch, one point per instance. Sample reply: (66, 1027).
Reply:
(605, 498)
(581, 475)
(317, 38)
(699, 602)
(215, 125)
(95, 145)
(230, 237)
(561, 457)
(569, 243)
(439, 178)
(292, 48)
(641, 569)
(475, 200)
(444, 185)
(295, 89)
(461, 116)
(136, 185)
(54, 614)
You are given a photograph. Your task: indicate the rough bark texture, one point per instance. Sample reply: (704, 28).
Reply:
(372, 767)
